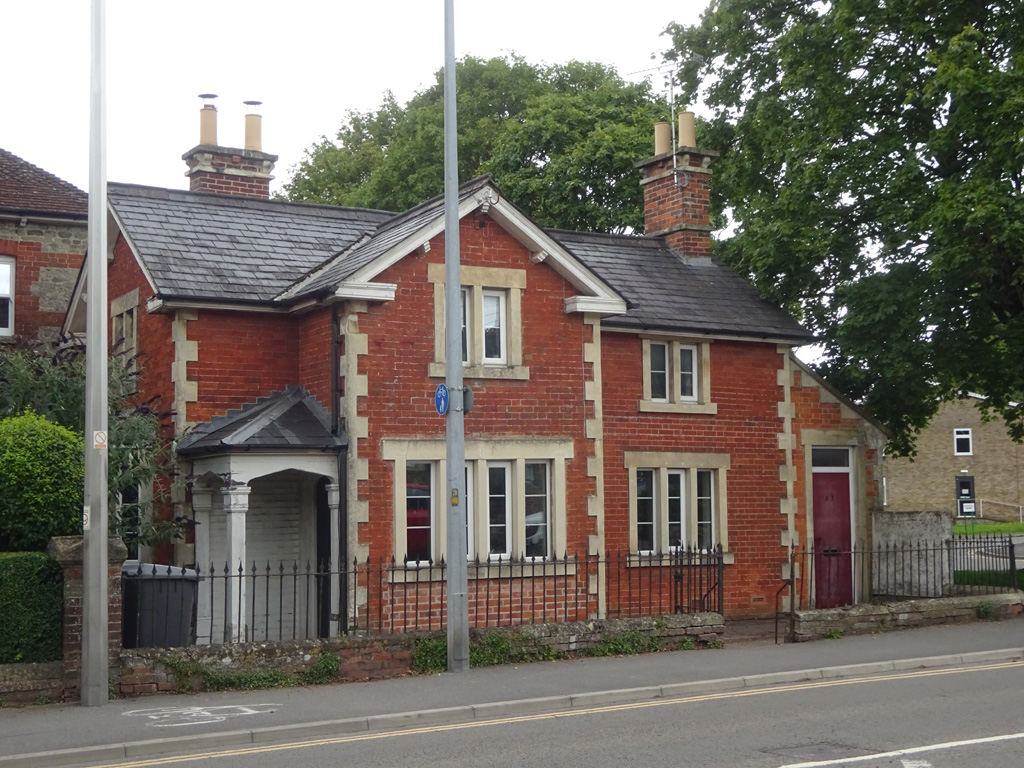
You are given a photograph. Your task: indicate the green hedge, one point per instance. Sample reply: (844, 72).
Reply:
(31, 608)
(41, 480)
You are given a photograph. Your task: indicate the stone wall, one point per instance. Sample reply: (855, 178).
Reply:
(31, 683)
(910, 553)
(155, 670)
(868, 619)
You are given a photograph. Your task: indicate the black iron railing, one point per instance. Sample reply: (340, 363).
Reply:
(293, 601)
(960, 565)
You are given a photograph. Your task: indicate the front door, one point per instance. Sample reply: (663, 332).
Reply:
(833, 558)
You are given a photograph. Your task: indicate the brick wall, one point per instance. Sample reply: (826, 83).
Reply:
(401, 403)
(744, 386)
(242, 357)
(47, 259)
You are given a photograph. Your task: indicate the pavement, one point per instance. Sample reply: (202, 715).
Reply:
(55, 735)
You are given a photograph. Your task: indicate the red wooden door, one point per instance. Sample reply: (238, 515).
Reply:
(833, 561)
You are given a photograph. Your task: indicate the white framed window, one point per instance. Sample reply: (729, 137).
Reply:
(676, 504)
(659, 371)
(124, 331)
(705, 522)
(499, 510)
(419, 511)
(515, 498)
(963, 444)
(465, 326)
(6, 296)
(676, 377)
(538, 509)
(493, 326)
(677, 500)
(491, 322)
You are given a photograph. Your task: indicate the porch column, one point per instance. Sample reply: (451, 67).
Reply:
(236, 504)
(202, 504)
(337, 556)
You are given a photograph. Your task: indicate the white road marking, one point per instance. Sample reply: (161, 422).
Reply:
(909, 751)
(169, 717)
(916, 764)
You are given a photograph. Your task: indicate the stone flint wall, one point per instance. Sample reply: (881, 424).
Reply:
(867, 619)
(146, 671)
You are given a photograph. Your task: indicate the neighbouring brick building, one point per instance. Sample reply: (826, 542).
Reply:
(632, 394)
(961, 459)
(43, 236)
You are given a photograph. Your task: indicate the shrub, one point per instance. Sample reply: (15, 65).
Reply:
(41, 479)
(31, 600)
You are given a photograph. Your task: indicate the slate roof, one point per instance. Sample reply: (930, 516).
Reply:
(666, 292)
(222, 248)
(28, 189)
(218, 247)
(287, 420)
(384, 238)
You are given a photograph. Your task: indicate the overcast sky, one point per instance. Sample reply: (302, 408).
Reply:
(308, 61)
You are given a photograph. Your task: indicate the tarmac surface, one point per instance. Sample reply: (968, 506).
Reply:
(56, 735)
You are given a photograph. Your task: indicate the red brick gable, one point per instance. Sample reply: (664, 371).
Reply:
(401, 402)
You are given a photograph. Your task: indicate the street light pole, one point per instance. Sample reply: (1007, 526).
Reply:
(458, 606)
(95, 643)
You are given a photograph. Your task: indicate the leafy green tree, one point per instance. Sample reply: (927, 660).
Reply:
(872, 167)
(50, 382)
(41, 476)
(560, 140)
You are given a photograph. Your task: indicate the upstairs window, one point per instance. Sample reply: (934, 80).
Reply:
(6, 296)
(494, 327)
(124, 332)
(676, 377)
(962, 443)
(491, 322)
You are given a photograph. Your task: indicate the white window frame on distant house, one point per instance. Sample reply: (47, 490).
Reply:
(684, 492)
(7, 264)
(960, 435)
(492, 344)
(124, 332)
(530, 510)
(676, 376)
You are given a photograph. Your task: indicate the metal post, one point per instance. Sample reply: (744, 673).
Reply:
(95, 651)
(458, 605)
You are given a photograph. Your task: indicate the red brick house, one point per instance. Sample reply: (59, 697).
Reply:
(632, 394)
(43, 236)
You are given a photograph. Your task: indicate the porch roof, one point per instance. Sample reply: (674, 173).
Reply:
(288, 420)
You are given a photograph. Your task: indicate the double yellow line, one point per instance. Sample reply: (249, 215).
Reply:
(352, 738)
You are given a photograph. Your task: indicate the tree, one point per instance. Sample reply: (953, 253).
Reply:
(872, 167)
(41, 475)
(50, 382)
(560, 140)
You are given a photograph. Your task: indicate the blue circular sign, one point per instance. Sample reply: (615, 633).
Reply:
(441, 399)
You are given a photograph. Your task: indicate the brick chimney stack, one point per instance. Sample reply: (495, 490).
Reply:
(676, 186)
(225, 170)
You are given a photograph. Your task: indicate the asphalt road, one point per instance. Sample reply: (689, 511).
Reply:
(933, 718)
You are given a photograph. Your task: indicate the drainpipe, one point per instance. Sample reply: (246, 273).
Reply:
(342, 470)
